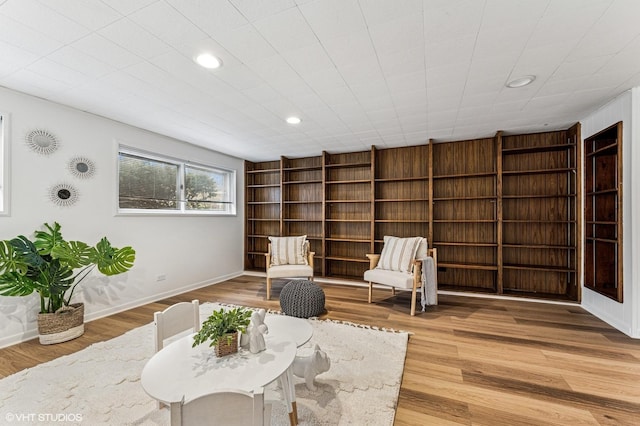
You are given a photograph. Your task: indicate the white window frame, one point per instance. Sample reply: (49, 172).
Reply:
(230, 184)
(5, 173)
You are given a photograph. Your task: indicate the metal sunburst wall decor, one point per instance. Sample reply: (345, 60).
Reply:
(81, 167)
(63, 194)
(42, 141)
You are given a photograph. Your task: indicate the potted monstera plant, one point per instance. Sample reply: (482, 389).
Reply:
(53, 267)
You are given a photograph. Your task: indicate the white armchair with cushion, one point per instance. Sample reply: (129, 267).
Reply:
(288, 257)
(400, 266)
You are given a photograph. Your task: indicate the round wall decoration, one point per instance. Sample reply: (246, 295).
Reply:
(42, 142)
(63, 194)
(81, 167)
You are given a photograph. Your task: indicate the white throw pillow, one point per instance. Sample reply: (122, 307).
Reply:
(288, 250)
(398, 253)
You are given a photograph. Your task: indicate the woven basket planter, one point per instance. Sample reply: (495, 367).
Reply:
(226, 347)
(65, 324)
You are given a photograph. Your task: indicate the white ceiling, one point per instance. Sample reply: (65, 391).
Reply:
(359, 73)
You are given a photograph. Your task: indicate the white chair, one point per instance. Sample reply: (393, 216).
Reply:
(176, 319)
(227, 407)
(288, 257)
(399, 266)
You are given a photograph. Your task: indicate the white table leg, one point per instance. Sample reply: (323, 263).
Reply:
(289, 393)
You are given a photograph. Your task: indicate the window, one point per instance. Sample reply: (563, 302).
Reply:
(150, 183)
(4, 167)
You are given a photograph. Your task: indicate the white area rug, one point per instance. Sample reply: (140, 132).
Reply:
(100, 385)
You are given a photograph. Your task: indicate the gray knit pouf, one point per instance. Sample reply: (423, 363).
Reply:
(302, 299)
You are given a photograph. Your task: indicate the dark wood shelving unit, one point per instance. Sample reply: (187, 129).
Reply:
(603, 212)
(303, 203)
(262, 210)
(501, 211)
(539, 213)
(465, 213)
(348, 179)
(401, 193)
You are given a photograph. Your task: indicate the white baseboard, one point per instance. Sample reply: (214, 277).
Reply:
(612, 321)
(159, 296)
(33, 333)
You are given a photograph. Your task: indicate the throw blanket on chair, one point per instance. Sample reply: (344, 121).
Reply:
(429, 291)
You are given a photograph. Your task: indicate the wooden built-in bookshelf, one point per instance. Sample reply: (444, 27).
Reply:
(465, 214)
(401, 193)
(303, 203)
(539, 214)
(603, 212)
(348, 216)
(502, 211)
(263, 206)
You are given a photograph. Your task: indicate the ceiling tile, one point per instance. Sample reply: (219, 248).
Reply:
(405, 33)
(247, 45)
(334, 18)
(381, 11)
(286, 30)
(14, 59)
(308, 59)
(212, 17)
(44, 20)
(79, 61)
(127, 7)
(163, 21)
(58, 72)
(93, 14)
(253, 10)
(134, 38)
(105, 50)
(448, 20)
(24, 37)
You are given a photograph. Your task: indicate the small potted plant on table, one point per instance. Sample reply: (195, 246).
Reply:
(222, 328)
(46, 266)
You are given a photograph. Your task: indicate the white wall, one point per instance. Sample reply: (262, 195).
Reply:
(190, 251)
(624, 316)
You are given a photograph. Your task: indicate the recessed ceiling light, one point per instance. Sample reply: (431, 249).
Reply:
(207, 60)
(293, 120)
(521, 82)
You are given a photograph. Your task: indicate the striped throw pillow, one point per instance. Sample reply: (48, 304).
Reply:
(288, 250)
(398, 253)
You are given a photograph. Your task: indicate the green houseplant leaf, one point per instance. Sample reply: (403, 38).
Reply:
(28, 253)
(45, 241)
(76, 254)
(222, 323)
(112, 261)
(15, 284)
(10, 259)
(47, 265)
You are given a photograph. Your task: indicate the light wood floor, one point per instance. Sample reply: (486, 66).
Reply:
(470, 361)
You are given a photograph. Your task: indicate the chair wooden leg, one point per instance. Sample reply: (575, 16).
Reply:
(268, 288)
(370, 290)
(413, 301)
(393, 291)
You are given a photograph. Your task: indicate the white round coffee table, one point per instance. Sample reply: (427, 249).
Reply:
(285, 327)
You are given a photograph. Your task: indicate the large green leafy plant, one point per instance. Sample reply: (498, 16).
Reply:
(48, 264)
(223, 323)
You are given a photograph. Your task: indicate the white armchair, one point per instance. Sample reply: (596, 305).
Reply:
(399, 266)
(288, 257)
